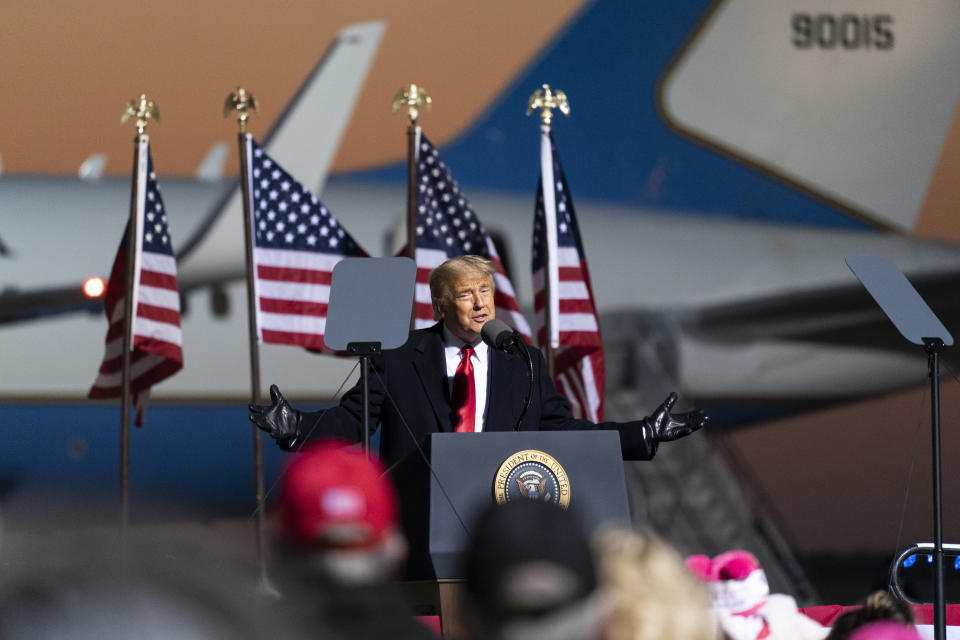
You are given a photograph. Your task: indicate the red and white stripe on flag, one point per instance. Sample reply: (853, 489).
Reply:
(293, 291)
(427, 260)
(562, 292)
(156, 335)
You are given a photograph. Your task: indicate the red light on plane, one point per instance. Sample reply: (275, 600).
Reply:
(94, 287)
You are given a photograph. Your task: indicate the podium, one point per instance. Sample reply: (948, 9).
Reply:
(443, 488)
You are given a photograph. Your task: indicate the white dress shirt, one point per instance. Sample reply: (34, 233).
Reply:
(481, 358)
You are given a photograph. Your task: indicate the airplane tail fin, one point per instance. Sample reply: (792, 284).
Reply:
(211, 167)
(305, 137)
(328, 97)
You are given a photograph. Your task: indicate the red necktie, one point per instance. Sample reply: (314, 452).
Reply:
(464, 396)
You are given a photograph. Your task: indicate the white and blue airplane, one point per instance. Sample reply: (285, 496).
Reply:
(723, 159)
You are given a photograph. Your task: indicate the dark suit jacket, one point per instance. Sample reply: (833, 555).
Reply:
(410, 398)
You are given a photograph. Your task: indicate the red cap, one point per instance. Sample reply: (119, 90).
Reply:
(334, 497)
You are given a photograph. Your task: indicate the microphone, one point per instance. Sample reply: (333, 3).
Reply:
(498, 335)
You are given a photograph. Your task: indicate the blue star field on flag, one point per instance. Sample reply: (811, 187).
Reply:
(288, 216)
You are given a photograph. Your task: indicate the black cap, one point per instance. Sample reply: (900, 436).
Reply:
(528, 558)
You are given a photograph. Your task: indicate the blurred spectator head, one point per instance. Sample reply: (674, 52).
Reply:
(159, 581)
(339, 511)
(879, 606)
(530, 574)
(886, 630)
(88, 607)
(654, 595)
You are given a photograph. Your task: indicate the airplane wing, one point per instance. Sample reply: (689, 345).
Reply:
(824, 344)
(88, 216)
(843, 315)
(15, 305)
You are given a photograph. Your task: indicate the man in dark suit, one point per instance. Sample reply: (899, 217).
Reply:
(445, 378)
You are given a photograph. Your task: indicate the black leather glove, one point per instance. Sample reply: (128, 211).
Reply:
(279, 419)
(665, 426)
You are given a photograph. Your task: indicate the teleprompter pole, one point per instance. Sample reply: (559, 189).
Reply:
(916, 322)
(364, 350)
(365, 415)
(933, 346)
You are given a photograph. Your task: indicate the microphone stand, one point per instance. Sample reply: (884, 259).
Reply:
(498, 335)
(518, 345)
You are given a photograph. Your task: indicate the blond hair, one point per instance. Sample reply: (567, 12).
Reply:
(444, 277)
(655, 597)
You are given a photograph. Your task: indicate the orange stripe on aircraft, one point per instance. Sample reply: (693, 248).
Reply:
(938, 216)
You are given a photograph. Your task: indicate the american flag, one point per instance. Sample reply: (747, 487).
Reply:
(296, 245)
(575, 330)
(447, 227)
(156, 335)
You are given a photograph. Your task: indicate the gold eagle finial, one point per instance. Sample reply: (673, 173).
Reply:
(142, 110)
(547, 100)
(240, 101)
(412, 97)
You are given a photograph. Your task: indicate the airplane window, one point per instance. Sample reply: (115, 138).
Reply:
(219, 301)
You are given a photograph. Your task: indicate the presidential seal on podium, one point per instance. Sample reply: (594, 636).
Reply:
(532, 475)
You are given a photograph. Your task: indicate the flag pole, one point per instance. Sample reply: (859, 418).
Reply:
(412, 97)
(547, 100)
(240, 101)
(142, 110)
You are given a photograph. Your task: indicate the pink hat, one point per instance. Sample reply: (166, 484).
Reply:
(886, 630)
(334, 497)
(743, 604)
(738, 586)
